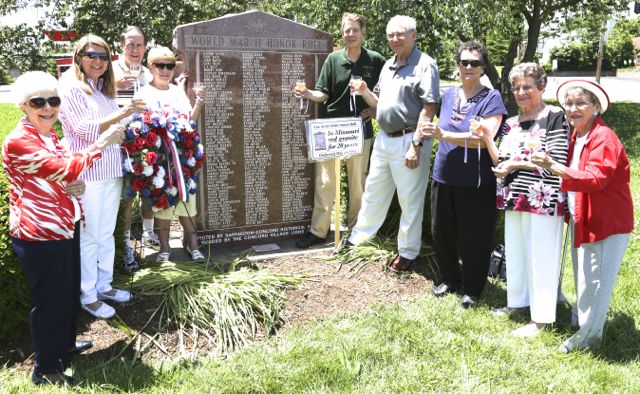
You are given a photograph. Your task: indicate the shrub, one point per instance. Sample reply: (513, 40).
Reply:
(579, 56)
(15, 301)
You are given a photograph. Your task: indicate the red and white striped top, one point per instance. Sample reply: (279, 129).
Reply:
(39, 208)
(81, 115)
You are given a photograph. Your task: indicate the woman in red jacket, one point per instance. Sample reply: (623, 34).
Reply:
(596, 178)
(44, 215)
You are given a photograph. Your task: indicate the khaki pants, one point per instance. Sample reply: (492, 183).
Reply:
(325, 191)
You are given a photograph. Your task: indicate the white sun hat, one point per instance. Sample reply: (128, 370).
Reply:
(596, 89)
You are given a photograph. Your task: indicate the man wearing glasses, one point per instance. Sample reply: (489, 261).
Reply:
(130, 75)
(333, 89)
(407, 93)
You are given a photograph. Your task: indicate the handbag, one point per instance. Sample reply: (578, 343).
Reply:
(498, 263)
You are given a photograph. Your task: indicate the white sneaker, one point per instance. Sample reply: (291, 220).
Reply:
(129, 259)
(119, 296)
(150, 238)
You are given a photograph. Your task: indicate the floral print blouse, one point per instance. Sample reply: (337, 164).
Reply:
(536, 191)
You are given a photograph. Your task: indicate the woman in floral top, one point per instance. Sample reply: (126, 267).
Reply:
(532, 198)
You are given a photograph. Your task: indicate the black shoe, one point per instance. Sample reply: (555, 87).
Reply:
(469, 301)
(309, 240)
(443, 289)
(54, 378)
(81, 346)
(345, 245)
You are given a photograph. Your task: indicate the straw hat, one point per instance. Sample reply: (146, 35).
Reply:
(592, 87)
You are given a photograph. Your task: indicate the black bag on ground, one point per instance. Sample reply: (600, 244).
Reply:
(497, 263)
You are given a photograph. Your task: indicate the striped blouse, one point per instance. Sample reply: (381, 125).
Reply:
(81, 115)
(536, 191)
(39, 207)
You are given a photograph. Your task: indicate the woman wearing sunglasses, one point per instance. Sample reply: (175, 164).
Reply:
(88, 108)
(44, 220)
(160, 94)
(463, 202)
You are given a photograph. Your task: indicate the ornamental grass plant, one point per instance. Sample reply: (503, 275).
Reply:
(229, 308)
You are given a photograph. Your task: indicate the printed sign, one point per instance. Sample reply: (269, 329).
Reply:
(334, 137)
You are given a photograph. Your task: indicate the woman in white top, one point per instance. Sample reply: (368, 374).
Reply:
(160, 94)
(87, 91)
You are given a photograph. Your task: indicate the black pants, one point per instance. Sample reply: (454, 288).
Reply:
(52, 269)
(463, 225)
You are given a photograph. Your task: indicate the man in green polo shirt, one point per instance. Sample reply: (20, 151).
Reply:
(332, 89)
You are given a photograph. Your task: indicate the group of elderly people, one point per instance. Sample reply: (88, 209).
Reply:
(533, 166)
(65, 194)
(64, 197)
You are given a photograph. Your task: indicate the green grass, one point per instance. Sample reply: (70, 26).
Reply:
(422, 345)
(9, 116)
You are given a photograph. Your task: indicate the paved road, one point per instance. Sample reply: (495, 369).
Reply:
(621, 88)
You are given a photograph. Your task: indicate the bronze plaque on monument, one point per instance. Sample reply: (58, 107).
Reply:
(256, 185)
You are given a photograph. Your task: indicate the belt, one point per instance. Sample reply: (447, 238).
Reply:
(401, 132)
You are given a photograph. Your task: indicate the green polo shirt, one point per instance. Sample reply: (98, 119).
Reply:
(334, 81)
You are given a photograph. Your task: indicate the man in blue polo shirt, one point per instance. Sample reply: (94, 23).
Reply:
(408, 90)
(332, 89)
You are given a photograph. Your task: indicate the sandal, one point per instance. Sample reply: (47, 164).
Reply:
(163, 257)
(195, 254)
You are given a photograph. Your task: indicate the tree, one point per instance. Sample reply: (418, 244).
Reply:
(619, 48)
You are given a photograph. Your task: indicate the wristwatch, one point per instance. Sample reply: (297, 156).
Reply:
(416, 142)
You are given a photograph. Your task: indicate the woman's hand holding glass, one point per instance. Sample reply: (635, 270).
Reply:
(135, 105)
(199, 90)
(541, 159)
(113, 135)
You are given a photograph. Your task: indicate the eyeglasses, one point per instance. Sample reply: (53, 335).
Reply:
(391, 36)
(525, 89)
(134, 46)
(579, 104)
(40, 102)
(472, 63)
(168, 66)
(104, 56)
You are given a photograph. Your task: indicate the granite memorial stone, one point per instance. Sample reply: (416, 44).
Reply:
(256, 185)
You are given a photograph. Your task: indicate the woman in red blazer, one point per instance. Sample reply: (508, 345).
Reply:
(596, 177)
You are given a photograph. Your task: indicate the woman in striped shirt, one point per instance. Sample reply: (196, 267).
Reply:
(532, 198)
(88, 108)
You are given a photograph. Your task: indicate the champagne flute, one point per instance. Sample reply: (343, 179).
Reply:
(134, 71)
(474, 125)
(301, 86)
(354, 84)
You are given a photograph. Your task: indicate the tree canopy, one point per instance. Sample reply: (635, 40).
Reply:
(511, 29)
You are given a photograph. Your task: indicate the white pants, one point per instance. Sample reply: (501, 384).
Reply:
(595, 268)
(387, 172)
(533, 244)
(325, 191)
(100, 201)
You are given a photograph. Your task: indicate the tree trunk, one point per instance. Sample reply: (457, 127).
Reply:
(505, 86)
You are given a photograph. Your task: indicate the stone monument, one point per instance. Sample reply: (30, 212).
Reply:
(256, 185)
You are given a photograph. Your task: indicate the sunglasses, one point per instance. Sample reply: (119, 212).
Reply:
(473, 63)
(40, 102)
(168, 66)
(97, 55)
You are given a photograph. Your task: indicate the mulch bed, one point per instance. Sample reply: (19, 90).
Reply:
(330, 290)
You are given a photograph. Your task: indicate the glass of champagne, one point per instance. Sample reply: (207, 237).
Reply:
(301, 86)
(355, 83)
(134, 71)
(474, 125)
